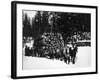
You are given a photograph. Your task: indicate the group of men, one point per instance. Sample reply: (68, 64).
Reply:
(70, 53)
(52, 46)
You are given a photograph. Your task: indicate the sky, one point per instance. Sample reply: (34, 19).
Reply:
(30, 14)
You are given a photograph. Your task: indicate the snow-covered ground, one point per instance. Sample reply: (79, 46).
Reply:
(83, 60)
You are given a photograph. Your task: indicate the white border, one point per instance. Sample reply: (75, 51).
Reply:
(21, 72)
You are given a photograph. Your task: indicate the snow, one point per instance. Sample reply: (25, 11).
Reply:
(83, 60)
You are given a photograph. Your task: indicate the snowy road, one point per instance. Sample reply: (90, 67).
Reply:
(83, 60)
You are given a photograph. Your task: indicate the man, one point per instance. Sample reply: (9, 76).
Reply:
(66, 55)
(74, 53)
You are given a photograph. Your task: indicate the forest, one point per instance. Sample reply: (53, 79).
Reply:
(55, 22)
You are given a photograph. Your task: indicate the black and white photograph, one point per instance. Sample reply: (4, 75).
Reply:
(54, 39)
